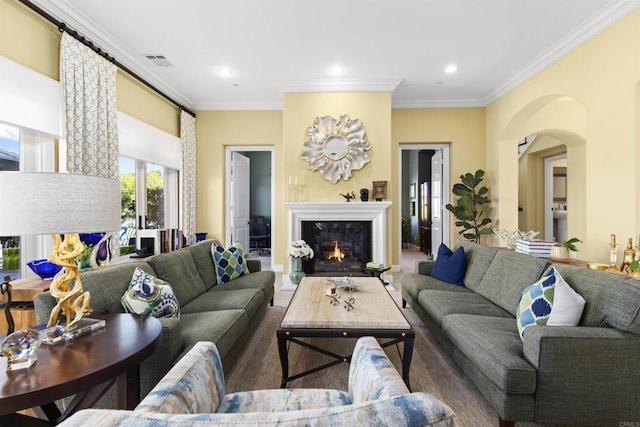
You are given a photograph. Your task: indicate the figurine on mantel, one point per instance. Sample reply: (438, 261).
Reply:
(348, 196)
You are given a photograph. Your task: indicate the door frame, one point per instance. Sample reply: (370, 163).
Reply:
(227, 185)
(548, 194)
(445, 186)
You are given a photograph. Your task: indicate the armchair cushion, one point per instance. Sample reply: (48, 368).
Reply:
(279, 400)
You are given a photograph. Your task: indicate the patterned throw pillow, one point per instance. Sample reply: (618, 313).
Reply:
(230, 263)
(549, 301)
(149, 295)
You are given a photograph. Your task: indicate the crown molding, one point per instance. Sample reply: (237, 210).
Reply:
(65, 12)
(237, 106)
(440, 103)
(332, 85)
(602, 20)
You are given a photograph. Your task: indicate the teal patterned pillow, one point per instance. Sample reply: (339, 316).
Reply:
(230, 263)
(536, 303)
(149, 295)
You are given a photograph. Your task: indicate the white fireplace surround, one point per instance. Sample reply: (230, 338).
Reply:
(376, 212)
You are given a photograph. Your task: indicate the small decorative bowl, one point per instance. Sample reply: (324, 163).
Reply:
(43, 268)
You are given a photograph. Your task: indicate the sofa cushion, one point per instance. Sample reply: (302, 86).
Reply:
(478, 260)
(413, 283)
(250, 300)
(230, 262)
(494, 346)
(201, 253)
(149, 295)
(263, 280)
(507, 276)
(107, 284)
(613, 300)
(179, 269)
(450, 266)
(223, 327)
(441, 303)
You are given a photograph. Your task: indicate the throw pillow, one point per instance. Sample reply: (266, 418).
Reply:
(230, 263)
(450, 266)
(549, 301)
(149, 295)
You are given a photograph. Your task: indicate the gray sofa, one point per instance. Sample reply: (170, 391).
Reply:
(223, 314)
(586, 375)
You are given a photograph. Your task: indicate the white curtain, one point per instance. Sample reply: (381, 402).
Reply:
(89, 85)
(188, 138)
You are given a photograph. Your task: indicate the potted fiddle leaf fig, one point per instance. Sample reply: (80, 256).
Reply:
(470, 209)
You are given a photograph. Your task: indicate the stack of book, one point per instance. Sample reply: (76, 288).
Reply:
(374, 265)
(535, 247)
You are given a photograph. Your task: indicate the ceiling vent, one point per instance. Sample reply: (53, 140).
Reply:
(159, 60)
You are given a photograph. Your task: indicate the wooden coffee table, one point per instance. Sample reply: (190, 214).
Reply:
(85, 367)
(311, 314)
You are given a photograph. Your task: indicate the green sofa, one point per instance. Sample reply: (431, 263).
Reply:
(585, 375)
(224, 314)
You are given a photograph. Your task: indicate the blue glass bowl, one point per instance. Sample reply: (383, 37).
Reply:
(43, 268)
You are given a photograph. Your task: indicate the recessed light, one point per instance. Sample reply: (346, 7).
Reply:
(450, 69)
(224, 72)
(336, 70)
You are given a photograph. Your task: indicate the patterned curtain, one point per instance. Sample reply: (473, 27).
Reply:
(188, 138)
(89, 84)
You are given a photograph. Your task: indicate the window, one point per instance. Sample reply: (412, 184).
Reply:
(149, 197)
(10, 161)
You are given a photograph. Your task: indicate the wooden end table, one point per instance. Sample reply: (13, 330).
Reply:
(310, 314)
(85, 367)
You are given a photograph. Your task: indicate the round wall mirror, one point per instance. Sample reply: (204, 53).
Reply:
(335, 147)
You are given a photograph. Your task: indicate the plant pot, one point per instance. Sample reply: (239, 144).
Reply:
(560, 254)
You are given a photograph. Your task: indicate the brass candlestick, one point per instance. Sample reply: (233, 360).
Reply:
(627, 259)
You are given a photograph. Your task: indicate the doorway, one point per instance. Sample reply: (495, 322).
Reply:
(423, 192)
(555, 197)
(258, 193)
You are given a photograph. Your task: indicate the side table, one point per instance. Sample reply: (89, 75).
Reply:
(22, 293)
(377, 272)
(85, 367)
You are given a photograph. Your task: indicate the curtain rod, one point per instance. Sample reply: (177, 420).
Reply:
(63, 28)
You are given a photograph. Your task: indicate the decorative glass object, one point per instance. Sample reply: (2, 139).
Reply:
(43, 268)
(20, 349)
(510, 237)
(296, 275)
(201, 236)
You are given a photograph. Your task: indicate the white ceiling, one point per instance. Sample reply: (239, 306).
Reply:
(276, 46)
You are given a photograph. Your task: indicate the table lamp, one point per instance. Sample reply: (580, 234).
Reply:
(36, 203)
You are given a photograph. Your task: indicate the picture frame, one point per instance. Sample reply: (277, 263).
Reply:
(379, 190)
(412, 190)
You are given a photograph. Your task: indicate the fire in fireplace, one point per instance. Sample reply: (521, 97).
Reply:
(340, 247)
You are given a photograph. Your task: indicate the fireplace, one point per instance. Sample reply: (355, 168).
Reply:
(375, 213)
(340, 247)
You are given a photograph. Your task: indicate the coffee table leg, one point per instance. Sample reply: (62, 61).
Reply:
(128, 386)
(406, 359)
(284, 359)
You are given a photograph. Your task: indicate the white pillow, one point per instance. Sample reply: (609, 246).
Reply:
(567, 305)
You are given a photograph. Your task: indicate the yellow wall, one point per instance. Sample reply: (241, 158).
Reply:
(34, 42)
(601, 79)
(214, 131)
(462, 128)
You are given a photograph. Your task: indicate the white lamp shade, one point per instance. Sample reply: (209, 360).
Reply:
(57, 203)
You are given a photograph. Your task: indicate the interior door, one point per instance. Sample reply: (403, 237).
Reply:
(436, 202)
(240, 199)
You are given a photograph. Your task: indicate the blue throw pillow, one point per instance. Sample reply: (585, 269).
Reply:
(450, 266)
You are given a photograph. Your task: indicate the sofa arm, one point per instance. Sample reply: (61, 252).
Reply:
(194, 385)
(590, 373)
(254, 265)
(424, 267)
(371, 373)
(416, 410)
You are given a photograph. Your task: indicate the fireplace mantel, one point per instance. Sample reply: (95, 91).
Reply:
(376, 212)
